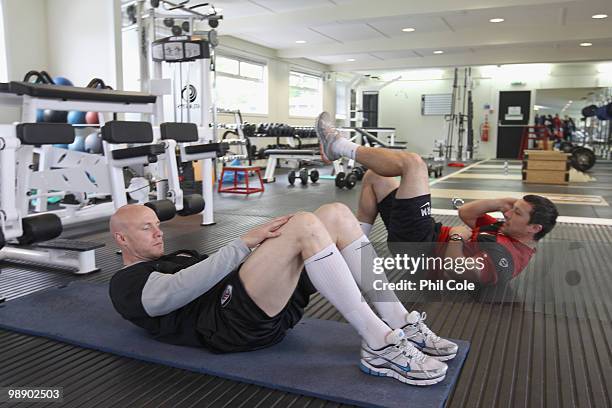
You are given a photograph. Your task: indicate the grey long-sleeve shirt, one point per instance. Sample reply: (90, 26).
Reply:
(164, 293)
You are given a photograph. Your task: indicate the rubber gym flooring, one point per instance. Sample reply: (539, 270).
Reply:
(541, 341)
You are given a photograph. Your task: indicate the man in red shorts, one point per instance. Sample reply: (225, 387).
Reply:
(504, 247)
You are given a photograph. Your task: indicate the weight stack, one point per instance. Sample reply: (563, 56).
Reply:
(546, 167)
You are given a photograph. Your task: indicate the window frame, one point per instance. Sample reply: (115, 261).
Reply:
(319, 77)
(264, 81)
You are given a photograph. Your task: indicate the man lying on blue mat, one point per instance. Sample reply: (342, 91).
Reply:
(405, 208)
(238, 300)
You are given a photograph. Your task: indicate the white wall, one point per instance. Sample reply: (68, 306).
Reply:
(400, 102)
(25, 32)
(25, 27)
(81, 40)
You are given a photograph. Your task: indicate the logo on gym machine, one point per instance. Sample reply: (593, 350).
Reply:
(189, 93)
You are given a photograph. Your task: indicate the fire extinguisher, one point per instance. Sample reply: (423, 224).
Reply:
(484, 129)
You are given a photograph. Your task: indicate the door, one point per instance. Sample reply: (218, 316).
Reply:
(370, 109)
(514, 110)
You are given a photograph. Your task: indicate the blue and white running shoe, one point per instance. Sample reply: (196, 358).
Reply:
(427, 341)
(402, 361)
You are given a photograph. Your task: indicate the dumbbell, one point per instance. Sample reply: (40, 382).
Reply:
(303, 176)
(359, 172)
(343, 180)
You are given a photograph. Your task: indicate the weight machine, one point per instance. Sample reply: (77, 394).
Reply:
(460, 122)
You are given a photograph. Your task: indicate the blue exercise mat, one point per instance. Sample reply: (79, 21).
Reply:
(318, 358)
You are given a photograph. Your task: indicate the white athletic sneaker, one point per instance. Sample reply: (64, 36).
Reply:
(402, 361)
(427, 341)
(328, 135)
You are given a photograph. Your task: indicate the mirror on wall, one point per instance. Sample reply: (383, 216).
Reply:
(561, 111)
(564, 103)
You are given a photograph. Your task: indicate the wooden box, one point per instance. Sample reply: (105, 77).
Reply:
(546, 167)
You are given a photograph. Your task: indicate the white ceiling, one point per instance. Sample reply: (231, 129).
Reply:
(370, 31)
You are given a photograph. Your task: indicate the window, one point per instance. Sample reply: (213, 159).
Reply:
(242, 85)
(305, 94)
(341, 100)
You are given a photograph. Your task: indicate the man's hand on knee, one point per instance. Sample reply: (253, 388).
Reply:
(259, 234)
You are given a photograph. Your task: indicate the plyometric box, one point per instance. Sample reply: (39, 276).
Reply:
(546, 167)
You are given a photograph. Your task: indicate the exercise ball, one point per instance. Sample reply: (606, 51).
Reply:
(93, 143)
(91, 118)
(78, 145)
(53, 116)
(76, 117)
(62, 81)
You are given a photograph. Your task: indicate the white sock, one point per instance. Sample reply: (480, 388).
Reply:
(345, 147)
(359, 256)
(365, 227)
(331, 276)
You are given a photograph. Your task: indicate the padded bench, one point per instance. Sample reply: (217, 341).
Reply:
(291, 154)
(219, 148)
(287, 152)
(70, 245)
(139, 151)
(79, 256)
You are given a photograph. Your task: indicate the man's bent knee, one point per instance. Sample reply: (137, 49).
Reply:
(412, 162)
(312, 233)
(370, 177)
(334, 210)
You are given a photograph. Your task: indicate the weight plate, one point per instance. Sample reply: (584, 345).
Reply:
(314, 176)
(304, 176)
(350, 181)
(340, 179)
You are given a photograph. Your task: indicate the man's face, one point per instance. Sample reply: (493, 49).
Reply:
(517, 220)
(144, 239)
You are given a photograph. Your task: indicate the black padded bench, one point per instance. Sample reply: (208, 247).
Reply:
(70, 245)
(279, 152)
(219, 148)
(36, 134)
(139, 151)
(188, 132)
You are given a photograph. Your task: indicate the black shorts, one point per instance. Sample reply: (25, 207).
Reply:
(230, 321)
(409, 219)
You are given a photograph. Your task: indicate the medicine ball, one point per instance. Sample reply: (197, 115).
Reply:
(91, 118)
(62, 81)
(93, 143)
(53, 116)
(76, 117)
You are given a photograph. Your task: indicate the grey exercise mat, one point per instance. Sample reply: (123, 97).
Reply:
(318, 358)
